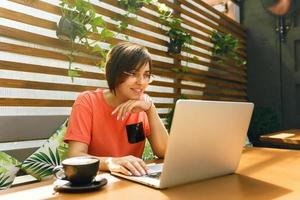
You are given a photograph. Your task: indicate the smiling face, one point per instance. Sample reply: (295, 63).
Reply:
(134, 86)
(128, 70)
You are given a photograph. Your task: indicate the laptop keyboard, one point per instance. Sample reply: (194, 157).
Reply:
(154, 171)
(154, 175)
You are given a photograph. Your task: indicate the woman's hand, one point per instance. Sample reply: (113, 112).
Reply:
(133, 106)
(128, 165)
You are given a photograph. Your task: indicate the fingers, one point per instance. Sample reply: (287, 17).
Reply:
(116, 110)
(120, 110)
(129, 166)
(124, 112)
(133, 168)
(132, 106)
(122, 170)
(143, 165)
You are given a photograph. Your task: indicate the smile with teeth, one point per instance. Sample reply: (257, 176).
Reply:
(137, 90)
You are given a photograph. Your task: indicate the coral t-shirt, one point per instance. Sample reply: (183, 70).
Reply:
(91, 123)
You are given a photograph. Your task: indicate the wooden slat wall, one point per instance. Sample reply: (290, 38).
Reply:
(34, 61)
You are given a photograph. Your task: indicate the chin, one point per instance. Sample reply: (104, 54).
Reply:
(136, 97)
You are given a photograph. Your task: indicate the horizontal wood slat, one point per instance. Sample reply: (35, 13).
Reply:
(13, 83)
(202, 89)
(22, 67)
(35, 102)
(68, 103)
(53, 103)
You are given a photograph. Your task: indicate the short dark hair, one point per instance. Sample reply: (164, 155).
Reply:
(124, 57)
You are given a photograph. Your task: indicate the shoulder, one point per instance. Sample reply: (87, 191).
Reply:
(89, 97)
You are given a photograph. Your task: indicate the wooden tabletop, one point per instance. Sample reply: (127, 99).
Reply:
(289, 137)
(262, 174)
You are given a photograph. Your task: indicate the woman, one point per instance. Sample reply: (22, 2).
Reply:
(112, 124)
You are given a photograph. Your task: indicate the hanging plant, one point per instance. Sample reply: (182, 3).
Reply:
(78, 22)
(178, 36)
(225, 46)
(131, 6)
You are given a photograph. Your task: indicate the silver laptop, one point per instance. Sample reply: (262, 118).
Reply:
(206, 141)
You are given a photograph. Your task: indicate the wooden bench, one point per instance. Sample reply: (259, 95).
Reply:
(286, 139)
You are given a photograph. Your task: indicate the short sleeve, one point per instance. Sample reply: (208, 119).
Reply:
(80, 122)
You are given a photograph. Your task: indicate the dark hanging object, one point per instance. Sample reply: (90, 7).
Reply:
(174, 46)
(65, 29)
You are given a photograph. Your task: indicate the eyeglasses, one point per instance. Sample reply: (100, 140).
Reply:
(134, 75)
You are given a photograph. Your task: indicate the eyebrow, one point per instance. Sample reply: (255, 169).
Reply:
(148, 71)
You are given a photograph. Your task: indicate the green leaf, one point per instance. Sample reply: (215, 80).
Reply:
(3, 180)
(184, 69)
(96, 48)
(53, 157)
(105, 34)
(73, 73)
(98, 21)
(41, 164)
(174, 69)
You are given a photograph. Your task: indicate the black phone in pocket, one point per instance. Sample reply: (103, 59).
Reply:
(135, 133)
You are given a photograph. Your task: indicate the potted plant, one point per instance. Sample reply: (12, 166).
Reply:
(131, 6)
(225, 47)
(78, 21)
(178, 36)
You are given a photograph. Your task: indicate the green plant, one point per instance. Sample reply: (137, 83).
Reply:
(41, 164)
(78, 22)
(225, 46)
(148, 153)
(178, 36)
(131, 6)
(4, 181)
(264, 120)
(49, 155)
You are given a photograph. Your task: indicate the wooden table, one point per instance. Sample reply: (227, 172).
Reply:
(262, 174)
(289, 138)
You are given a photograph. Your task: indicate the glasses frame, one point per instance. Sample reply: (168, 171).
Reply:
(133, 75)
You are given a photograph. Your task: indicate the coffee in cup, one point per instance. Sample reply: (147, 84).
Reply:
(78, 170)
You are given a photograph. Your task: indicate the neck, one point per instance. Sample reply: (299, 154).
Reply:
(113, 99)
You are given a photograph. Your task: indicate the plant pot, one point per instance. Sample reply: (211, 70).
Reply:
(133, 3)
(65, 29)
(174, 47)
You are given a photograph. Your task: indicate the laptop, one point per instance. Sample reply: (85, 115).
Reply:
(206, 140)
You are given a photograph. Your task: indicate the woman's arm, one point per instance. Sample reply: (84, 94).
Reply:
(159, 135)
(128, 165)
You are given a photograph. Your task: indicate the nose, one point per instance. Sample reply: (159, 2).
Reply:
(140, 79)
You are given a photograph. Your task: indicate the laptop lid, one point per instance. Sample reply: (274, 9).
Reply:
(206, 140)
